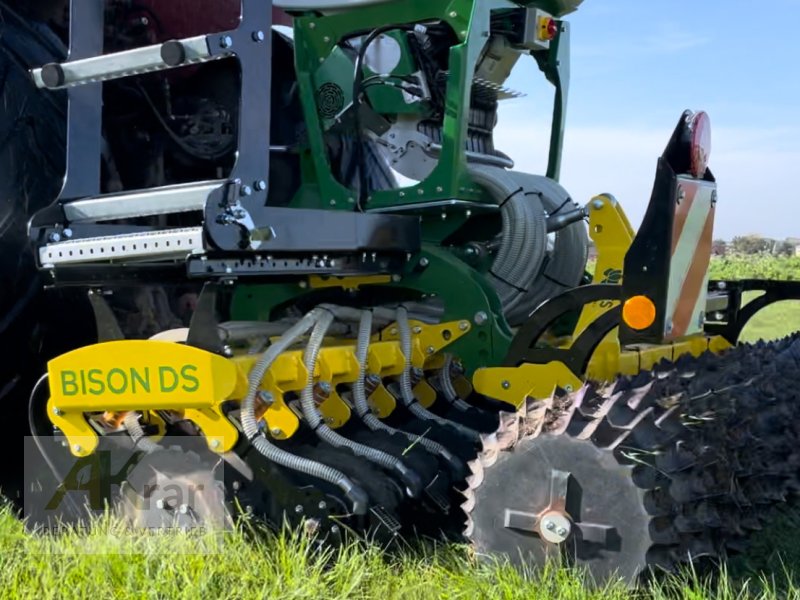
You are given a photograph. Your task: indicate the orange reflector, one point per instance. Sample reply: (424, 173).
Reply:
(639, 312)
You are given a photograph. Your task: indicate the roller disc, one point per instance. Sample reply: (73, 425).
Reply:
(172, 488)
(666, 467)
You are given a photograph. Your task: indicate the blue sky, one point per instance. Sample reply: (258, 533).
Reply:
(636, 65)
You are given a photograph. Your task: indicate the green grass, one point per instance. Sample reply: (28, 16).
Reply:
(109, 561)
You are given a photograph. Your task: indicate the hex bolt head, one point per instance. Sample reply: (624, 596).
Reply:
(562, 532)
(54, 237)
(67, 233)
(298, 509)
(322, 505)
(598, 204)
(549, 525)
(237, 486)
(215, 444)
(260, 185)
(246, 190)
(77, 448)
(463, 325)
(430, 350)
(506, 385)
(57, 411)
(481, 318)
(258, 36)
(417, 330)
(225, 41)
(335, 529)
(266, 397)
(276, 432)
(424, 262)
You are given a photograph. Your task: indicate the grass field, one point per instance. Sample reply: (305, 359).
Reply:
(109, 562)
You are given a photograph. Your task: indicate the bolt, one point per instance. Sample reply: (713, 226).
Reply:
(258, 36)
(325, 387)
(453, 14)
(424, 262)
(463, 325)
(225, 41)
(481, 318)
(568, 388)
(549, 525)
(276, 432)
(721, 285)
(417, 330)
(396, 278)
(322, 505)
(160, 504)
(333, 203)
(439, 189)
(246, 190)
(430, 349)
(227, 351)
(67, 233)
(215, 444)
(562, 532)
(719, 316)
(326, 39)
(444, 216)
(506, 385)
(420, 192)
(57, 411)
(266, 397)
(298, 509)
(393, 331)
(248, 509)
(183, 509)
(312, 25)
(55, 237)
(77, 448)
(303, 284)
(237, 486)
(260, 185)
(335, 529)
(598, 204)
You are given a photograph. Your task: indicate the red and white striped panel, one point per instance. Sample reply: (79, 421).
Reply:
(692, 236)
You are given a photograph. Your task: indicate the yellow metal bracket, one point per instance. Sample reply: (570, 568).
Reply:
(514, 384)
(140, 375)
(428, 340)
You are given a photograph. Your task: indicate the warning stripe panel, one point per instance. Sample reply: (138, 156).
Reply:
(691, 254)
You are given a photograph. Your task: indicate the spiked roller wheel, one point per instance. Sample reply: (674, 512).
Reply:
(659, 469)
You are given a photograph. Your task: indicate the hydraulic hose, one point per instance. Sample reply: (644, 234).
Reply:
(406, 389)
(137, 433)
(449, 391)
(354, 493)
(523, 243)
(360, 396)
(565, 265)
(312, 415)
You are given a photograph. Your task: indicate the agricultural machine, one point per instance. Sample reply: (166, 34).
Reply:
(296, 244)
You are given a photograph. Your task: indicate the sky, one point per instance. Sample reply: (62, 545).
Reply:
(636, 65)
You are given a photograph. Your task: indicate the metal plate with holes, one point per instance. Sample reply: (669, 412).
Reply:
(175, 244)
